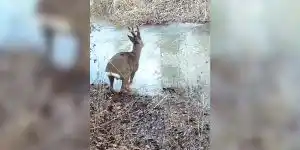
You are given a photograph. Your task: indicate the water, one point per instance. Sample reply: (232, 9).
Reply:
(19, 26)
(176, 55)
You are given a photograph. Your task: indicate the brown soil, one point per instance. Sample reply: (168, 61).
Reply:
(167, 121)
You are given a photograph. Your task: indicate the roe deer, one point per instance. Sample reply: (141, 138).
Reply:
(68, 17)
(124, 65)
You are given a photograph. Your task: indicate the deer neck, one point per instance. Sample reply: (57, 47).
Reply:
(137, 50)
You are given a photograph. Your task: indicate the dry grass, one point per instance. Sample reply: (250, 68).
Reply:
(167, 121)
(125, 12)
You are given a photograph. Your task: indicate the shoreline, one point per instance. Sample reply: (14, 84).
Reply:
(109, 23)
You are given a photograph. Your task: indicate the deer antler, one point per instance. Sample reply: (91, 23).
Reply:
(138, 31)
(131, 31)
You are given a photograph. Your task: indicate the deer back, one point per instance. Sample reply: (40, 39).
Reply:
(123, 64)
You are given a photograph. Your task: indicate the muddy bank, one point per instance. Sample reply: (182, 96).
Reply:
(126, 12)
(166, 121)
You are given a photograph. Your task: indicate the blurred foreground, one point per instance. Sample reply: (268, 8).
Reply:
(41, 107)
(255, 81)
(32, 115)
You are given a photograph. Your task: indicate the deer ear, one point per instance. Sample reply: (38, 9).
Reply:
(131, 38)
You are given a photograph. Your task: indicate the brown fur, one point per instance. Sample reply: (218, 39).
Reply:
(126, 63)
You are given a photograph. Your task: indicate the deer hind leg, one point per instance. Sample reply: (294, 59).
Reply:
(131, 77)
(111, 83)
(45, 66)
(48, 34)
(128, 88)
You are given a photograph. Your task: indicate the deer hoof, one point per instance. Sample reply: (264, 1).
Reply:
(129, 90)
(123, 91)
(126, 90)
(112, 90)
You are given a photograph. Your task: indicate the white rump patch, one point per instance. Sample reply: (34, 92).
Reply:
(113, 74)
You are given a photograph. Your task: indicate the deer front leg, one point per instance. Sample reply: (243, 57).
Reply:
(125, 85)
(131, 77)
(130, 80)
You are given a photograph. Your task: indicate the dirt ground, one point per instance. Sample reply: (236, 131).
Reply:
(165, 121)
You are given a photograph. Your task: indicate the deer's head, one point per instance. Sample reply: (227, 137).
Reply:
(136, 37)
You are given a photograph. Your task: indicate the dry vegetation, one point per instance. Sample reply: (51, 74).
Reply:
(139, 122)
(124, 12)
